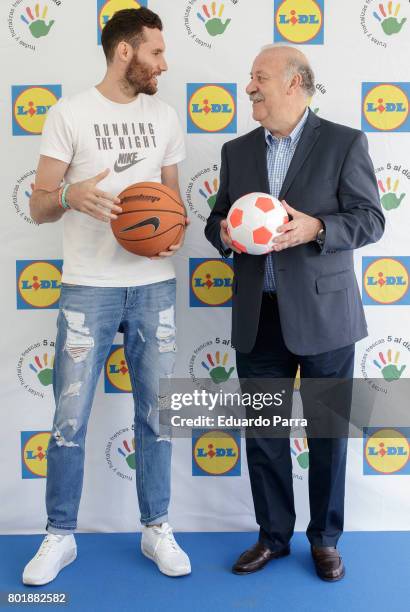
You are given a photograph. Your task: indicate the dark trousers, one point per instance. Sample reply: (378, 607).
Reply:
(269, 459)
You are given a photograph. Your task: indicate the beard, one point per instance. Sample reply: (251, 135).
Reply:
(138, 78)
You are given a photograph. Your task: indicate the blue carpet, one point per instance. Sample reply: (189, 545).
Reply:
(111, 574)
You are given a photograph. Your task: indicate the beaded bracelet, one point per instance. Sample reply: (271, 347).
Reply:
(64, 202)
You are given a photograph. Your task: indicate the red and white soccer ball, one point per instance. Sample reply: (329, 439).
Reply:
(253, 221)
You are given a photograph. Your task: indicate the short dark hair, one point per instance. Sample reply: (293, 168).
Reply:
(127, 25)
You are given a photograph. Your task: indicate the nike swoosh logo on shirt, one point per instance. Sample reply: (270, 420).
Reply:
(151, 221)
(118, 168)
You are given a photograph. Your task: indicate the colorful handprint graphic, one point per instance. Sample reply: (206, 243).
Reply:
(43, 370)
(389, 198)
(129, 453)
(388, 21)
(210, 193)
(28, 193)
(389, 367)
(212, 20)
(216, 367)
(36, 23)
(300, 450)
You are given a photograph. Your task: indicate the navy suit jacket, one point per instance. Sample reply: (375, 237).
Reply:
(330, 177)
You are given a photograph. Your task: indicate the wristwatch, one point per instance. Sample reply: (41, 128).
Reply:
(321, 237)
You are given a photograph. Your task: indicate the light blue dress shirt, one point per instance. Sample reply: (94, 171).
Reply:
(279, 153)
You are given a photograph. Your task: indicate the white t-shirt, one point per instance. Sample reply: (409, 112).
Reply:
(135, 140)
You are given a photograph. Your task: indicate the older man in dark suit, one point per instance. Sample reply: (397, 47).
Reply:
(299, 305)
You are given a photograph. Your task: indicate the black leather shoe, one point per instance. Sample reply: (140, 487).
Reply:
(256, 558)
(328, 563)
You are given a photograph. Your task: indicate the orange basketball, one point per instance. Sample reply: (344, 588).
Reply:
(152, 219)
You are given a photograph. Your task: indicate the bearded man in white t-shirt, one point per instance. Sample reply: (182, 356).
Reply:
(99, 142)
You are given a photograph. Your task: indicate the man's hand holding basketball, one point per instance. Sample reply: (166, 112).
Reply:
(226, 239)
(173, 247)
(85, 197)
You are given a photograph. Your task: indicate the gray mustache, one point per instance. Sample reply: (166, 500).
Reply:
(256, 98)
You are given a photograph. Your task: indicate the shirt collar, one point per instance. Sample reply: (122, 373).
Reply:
(295, 133)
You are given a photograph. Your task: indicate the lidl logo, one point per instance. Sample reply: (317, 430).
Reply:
(117, 377)
(107, 8)
(299, 21)
(30, 104)
(216, 453)
(38, 283)
(386, 281)
(386, 451)
(211, 107)
(211, 282)
(385, 107)
(34, 445)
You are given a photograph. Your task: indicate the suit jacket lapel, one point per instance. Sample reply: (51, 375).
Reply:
(307, 140)
(260, 160)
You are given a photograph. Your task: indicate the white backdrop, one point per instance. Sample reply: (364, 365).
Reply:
(356, 49)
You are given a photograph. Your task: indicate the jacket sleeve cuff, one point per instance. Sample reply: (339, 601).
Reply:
(324, 249)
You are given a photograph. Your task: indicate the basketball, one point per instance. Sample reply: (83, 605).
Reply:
(152, 219)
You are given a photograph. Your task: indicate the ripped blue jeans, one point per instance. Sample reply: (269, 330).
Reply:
(88, 320)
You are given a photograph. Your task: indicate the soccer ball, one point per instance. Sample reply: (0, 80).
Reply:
(253, 220)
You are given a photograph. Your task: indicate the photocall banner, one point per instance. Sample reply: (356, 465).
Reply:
(52, 48)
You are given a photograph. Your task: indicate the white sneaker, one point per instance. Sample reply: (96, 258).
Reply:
(159, 545)
(55, 552)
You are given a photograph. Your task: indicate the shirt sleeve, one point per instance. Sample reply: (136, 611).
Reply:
(57, 135)
(175, 151)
